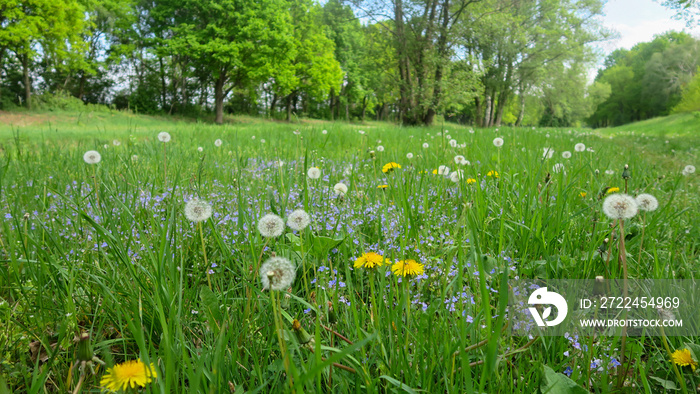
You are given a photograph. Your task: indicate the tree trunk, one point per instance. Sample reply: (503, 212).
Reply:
(289, 107)
(219, 97)
(487, 115)
(81, 86)
(27, 82)
(272, 104)
(479, 120)
(162, 84)
(521, 114)
(502, 100)
(330, 104)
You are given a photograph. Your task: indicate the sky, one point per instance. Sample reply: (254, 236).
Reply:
(638, 21)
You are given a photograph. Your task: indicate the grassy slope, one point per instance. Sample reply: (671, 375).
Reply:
(678, 125)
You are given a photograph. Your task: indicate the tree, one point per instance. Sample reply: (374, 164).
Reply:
(238, 42)
(32, 27)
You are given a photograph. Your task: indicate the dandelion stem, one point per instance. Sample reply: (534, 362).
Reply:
(204, 251)
(673, 365)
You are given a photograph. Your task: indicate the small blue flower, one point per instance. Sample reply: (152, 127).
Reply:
(568, 371)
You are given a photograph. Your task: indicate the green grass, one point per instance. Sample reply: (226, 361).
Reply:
(106, 249)
(678, 125)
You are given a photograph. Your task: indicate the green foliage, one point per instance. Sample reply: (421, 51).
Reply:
(647, 80)
(690, 100)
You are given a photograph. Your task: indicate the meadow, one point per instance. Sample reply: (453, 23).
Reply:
(152, 255)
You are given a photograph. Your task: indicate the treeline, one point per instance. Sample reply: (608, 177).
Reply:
(485, 62)
(652, 79)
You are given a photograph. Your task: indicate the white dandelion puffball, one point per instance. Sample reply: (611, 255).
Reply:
(340, 189)
(116, 143)
(197, 210)
(444, 170)
(298, 220)
(348, 170)
(164, 136)
(314, 173)
(471, 131)
(277, 274)
(92, 157)
(689, 169)
(558, 168)
(324, 132)
(498, 142)
(619, 206)
(296, 132)
(609, 172)
(200, 149)
(409, 155)
(106, 146)
(453, 143)
(262, 140)
(579, 147)
(271, 226)
(647, 202)
(135, 158)
(380, 148)
(566, 154)
(459, 159)
(425, 145)
(547, 153)
(361, 132)
(252, 138)
(218, 143)
(455, 176)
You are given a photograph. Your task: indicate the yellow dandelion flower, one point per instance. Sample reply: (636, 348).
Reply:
(470, 181)
(407, 267)
(682, 357)
(435, 171)
(382, 186)
(128, 374)
(389, 167)
(582, 194)
(493, 174)
(612, 190)
(369, 260)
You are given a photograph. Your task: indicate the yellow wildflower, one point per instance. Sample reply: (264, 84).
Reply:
(128, 374)
(407, 267)
(682, 357)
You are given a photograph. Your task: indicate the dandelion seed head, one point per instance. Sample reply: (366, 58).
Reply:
(425, 145)
(689, 169)
(380, 148)
(277, 274)
(566, 154)
(271, 226)
(314, 173)
(218, 143)
(116, 142)
(579, 147)
(92, 157)
(498, 142)
(453, 143)
(340, 189)
(197, 210)
(164, 136)
(647, 202)
(298, 220)
(409, 155)
(619, 206)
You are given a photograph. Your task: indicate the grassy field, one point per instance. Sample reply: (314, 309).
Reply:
(108, 251)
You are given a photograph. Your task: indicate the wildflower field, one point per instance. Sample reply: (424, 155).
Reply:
(327, 257)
